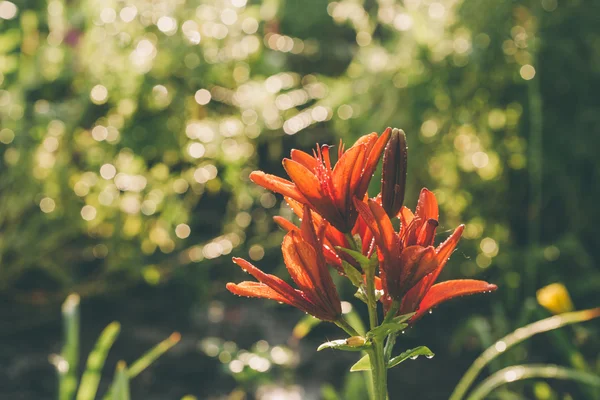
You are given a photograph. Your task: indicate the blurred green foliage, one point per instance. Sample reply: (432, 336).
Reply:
(70, 385)
(128, 129)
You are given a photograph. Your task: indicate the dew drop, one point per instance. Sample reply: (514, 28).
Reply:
(414, 357)
(430, 356)
(403, 332)
(430, 311)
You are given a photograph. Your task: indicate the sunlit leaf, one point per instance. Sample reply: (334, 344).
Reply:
(364, 364)
(120, 384)
(385, 329)
(410, 354)
(95, 362)
(344, 344)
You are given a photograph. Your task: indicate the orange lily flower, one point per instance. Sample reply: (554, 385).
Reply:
(305, 262)
(333, 238)
(329, 191)
(409, 263)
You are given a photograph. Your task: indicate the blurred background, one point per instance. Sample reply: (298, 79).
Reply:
(128, 129)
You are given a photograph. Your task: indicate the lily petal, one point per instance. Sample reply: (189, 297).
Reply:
(306, 182)
(406, 216)
(427, 233)
(285, 224)
(445, 291)
(278, 185)
(443, 252)
(275, 283)
(305, 159)
(388, 238)
(427, 207)
(310, 186)
(371, 163)
(342, 176)
(445, 249)
(258, 290)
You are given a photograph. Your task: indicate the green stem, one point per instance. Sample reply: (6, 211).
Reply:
(372, 302)
(376, 355)
(389, 346)
(343, 324)
(351, 242)
(391, 312)
(379, 371)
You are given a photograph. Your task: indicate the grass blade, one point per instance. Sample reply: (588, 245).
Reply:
(517, 337)
(521, 372)
(67, 362)
(95, 362)
(149, 357)
(120, 383)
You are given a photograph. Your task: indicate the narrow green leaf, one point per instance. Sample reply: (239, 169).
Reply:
(148, 358)
(361, 294)
(328, 392)
(151, 355)
(403, 318)
(355, 388)
(364, 262)
(521, 372)
(304, 326)
(344, 344)
(67, 363)
(412, 354)
(120, 385)
(353, 274)
(385, 329)
(364, 364)
(514, 338)
(95, 362)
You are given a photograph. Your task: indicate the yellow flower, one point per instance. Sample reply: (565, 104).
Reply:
(555, 298)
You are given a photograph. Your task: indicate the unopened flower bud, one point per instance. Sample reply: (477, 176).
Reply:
(356, 341)
(393, 176)
(555, 298)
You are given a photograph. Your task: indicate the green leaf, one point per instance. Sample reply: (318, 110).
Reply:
(70, 352)
(120, 383)
(151, 355)
(365, 263)
(342, 344)
(361, 294)
(147, 358)
(403, 318)
(364, 364)
(353, 274)
(304, 326)
(531, 371)
(412, 354)
(95, 362)
(328, 392)
(385, 329)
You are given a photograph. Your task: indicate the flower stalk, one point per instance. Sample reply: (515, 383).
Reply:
(341, 227)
